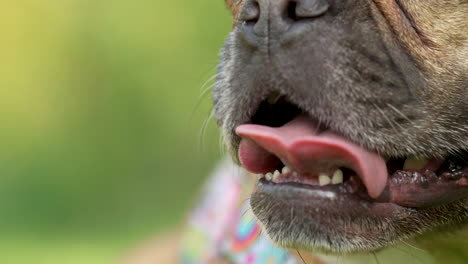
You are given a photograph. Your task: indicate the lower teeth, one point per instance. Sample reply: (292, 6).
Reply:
(323, 179)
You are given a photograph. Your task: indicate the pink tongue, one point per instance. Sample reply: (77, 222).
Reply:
(300, 147)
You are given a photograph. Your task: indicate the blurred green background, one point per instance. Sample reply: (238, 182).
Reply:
(101, 118)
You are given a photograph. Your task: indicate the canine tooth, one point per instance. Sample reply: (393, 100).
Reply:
(414, 163)
(324, 179)
(276, 174)
(269, 176)
(286, 170)
(259, 176)
(337, 177)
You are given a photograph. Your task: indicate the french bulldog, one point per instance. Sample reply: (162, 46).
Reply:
(354, 114)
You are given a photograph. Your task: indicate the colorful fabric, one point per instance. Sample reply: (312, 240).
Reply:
(223, 229)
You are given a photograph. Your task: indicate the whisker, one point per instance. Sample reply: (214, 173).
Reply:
(200, 101)
(299, 253)
(222, 147)
(203, 129)
(252, 220)
(375, 257)
(386, 117)
(414, 247)
(207, 82)
(414, 257)
(245, 212)
(203, 94)
(400, 113)
(246, 200)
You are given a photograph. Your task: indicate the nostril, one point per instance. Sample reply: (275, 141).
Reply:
(305, 9)
(250, 13)
(272, 18)
(292, 6)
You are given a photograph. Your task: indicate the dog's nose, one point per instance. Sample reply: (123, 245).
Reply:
(272, 18)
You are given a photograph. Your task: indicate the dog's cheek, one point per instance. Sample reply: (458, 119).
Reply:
(448, 35)
(447, 60)
(226, 98)
(433, 34)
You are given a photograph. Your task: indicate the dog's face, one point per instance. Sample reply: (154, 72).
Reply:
(361, 106)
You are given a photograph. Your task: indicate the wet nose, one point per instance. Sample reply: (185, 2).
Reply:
(272, 18)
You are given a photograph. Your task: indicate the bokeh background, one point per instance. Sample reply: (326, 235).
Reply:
(102, 116)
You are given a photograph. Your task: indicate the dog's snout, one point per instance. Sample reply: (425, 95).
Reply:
(272, 18)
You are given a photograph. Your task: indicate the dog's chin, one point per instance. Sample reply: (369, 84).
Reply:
(319, 191)
(323, 221)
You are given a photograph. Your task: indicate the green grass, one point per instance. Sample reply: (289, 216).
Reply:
(59, 251)
(99, 123)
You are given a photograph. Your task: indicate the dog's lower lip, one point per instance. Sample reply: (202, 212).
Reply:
(412, 189)
(326, 200)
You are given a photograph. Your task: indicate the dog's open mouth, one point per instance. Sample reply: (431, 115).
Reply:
(287, 149)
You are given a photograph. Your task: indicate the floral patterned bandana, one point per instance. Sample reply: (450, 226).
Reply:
(223, 229)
